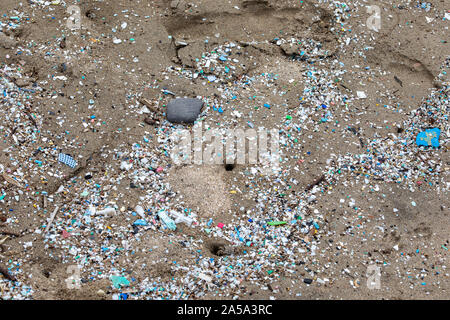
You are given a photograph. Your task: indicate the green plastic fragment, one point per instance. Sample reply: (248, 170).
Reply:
(118, 282)
(276, 223)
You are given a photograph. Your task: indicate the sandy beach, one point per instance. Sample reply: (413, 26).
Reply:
(354, 204)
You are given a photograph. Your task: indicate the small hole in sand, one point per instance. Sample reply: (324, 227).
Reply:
(216, 248)
(229, 167)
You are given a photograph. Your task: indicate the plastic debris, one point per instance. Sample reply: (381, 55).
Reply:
(119, 282)
(429, 138)
(363, 138)
(276, 223)
(181, 218)
(68, 160)
(167, 220)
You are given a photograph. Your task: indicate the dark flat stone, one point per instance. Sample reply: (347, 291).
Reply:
(184, 110)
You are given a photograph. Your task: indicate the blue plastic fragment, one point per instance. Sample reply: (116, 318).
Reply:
(68, 160)
(140, 222)
(429, 138)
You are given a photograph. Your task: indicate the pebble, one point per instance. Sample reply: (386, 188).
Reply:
(184, 110)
